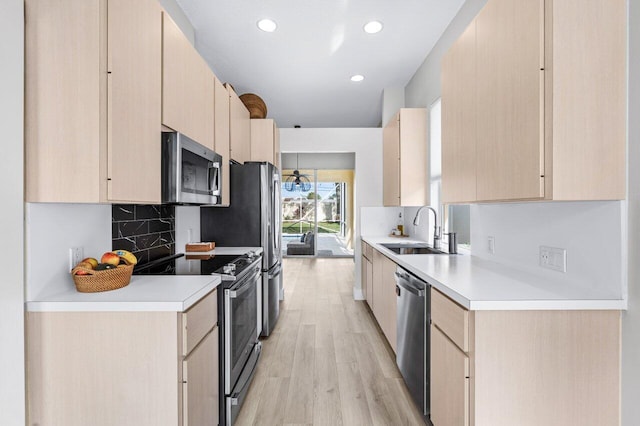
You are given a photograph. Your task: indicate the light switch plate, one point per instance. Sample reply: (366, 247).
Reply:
(553, 258)
(491, 245)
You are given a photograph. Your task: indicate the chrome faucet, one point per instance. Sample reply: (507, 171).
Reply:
(437, 236)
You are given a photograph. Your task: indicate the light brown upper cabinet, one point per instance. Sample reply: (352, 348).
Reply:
(265, 141)
(404, 158)
(221, 130)
(93, 101)
(459, 119)
(240, 128)
(544, 110)
(187, 86)
(509, 73)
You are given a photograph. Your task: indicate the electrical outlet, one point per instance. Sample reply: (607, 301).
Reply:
(76, 254)
(553, 258)
(491, 245)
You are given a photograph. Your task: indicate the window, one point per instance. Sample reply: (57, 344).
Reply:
(455, 218)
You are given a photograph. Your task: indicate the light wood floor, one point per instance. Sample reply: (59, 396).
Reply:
(327, 362)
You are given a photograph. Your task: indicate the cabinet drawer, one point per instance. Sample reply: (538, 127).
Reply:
(451, 318)
(367, 251)
(198, 320)
(200, 383)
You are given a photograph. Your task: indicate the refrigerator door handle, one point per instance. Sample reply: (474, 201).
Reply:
(276, 271)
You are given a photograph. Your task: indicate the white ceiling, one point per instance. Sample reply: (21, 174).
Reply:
(303, 69)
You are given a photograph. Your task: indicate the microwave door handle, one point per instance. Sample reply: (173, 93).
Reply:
(213, 179)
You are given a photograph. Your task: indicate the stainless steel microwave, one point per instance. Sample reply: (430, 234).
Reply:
(191, 173)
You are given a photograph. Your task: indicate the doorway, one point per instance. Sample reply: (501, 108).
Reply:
(317, 205)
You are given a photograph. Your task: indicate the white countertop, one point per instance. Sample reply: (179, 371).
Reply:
(479, 284)
(169, 293)
(175, 293)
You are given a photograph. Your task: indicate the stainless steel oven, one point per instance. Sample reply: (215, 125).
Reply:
(240, 330)
(239, 317)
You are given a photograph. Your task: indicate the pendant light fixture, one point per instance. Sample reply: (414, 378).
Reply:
(297, 181)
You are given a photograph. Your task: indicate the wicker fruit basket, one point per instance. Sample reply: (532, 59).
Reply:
(96, 281)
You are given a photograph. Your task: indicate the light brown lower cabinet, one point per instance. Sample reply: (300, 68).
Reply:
(200, 383)
(383, 295)
(367, 273)
(449, 381)
(123, 368)
(504, 368)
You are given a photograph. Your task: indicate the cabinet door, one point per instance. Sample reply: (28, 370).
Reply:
(134, 100)
(276, 145)
(510, 125)
(378, 291)
(459, 119)
(64, 137)
(390, 302)
(187, 87)
(221, 127)
(240, 129)
(200, 383)
(449, 382)
(363, 276)
(414, 175)
(369, 282)
(263, 140)
(391, 163)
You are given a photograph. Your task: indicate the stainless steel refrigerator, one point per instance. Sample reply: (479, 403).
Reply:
(252, 220)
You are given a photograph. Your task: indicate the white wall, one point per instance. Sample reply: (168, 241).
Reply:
(12, 383)
(187, 222)
(424, 87)
(175, 11)
(631, 318)
(51, 230)
(379, 221)
(591, 232)
(392, 101)
(516, 245)
(366, 143)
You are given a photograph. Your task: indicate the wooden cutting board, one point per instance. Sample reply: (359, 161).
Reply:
(199, 247)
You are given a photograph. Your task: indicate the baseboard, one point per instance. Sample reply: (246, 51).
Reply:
(357, 293)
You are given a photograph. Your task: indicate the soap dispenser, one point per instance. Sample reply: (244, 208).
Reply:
(400, 225)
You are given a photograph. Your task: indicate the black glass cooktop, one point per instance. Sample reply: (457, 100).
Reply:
(196, 264)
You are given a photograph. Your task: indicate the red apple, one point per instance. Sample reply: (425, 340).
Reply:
(81, 272)
(110, 258)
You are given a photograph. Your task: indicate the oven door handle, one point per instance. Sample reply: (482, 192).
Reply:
(239, 291)
(247, 378)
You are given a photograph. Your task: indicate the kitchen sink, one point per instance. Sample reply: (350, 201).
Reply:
(412, 248)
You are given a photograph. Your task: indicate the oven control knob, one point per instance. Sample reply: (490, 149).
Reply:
(229, 268)
(250, 255)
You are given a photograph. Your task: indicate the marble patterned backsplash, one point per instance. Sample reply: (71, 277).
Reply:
(148, 231)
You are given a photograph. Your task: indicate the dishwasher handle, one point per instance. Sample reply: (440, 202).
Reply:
(403, 282)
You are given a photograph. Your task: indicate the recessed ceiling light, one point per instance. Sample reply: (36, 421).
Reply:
(267, 25)
(357, 78)
(373, 27)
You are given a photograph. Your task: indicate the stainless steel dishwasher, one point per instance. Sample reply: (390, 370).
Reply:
(413, 336)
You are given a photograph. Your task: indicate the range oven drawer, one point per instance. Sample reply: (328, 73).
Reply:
(198, 321)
